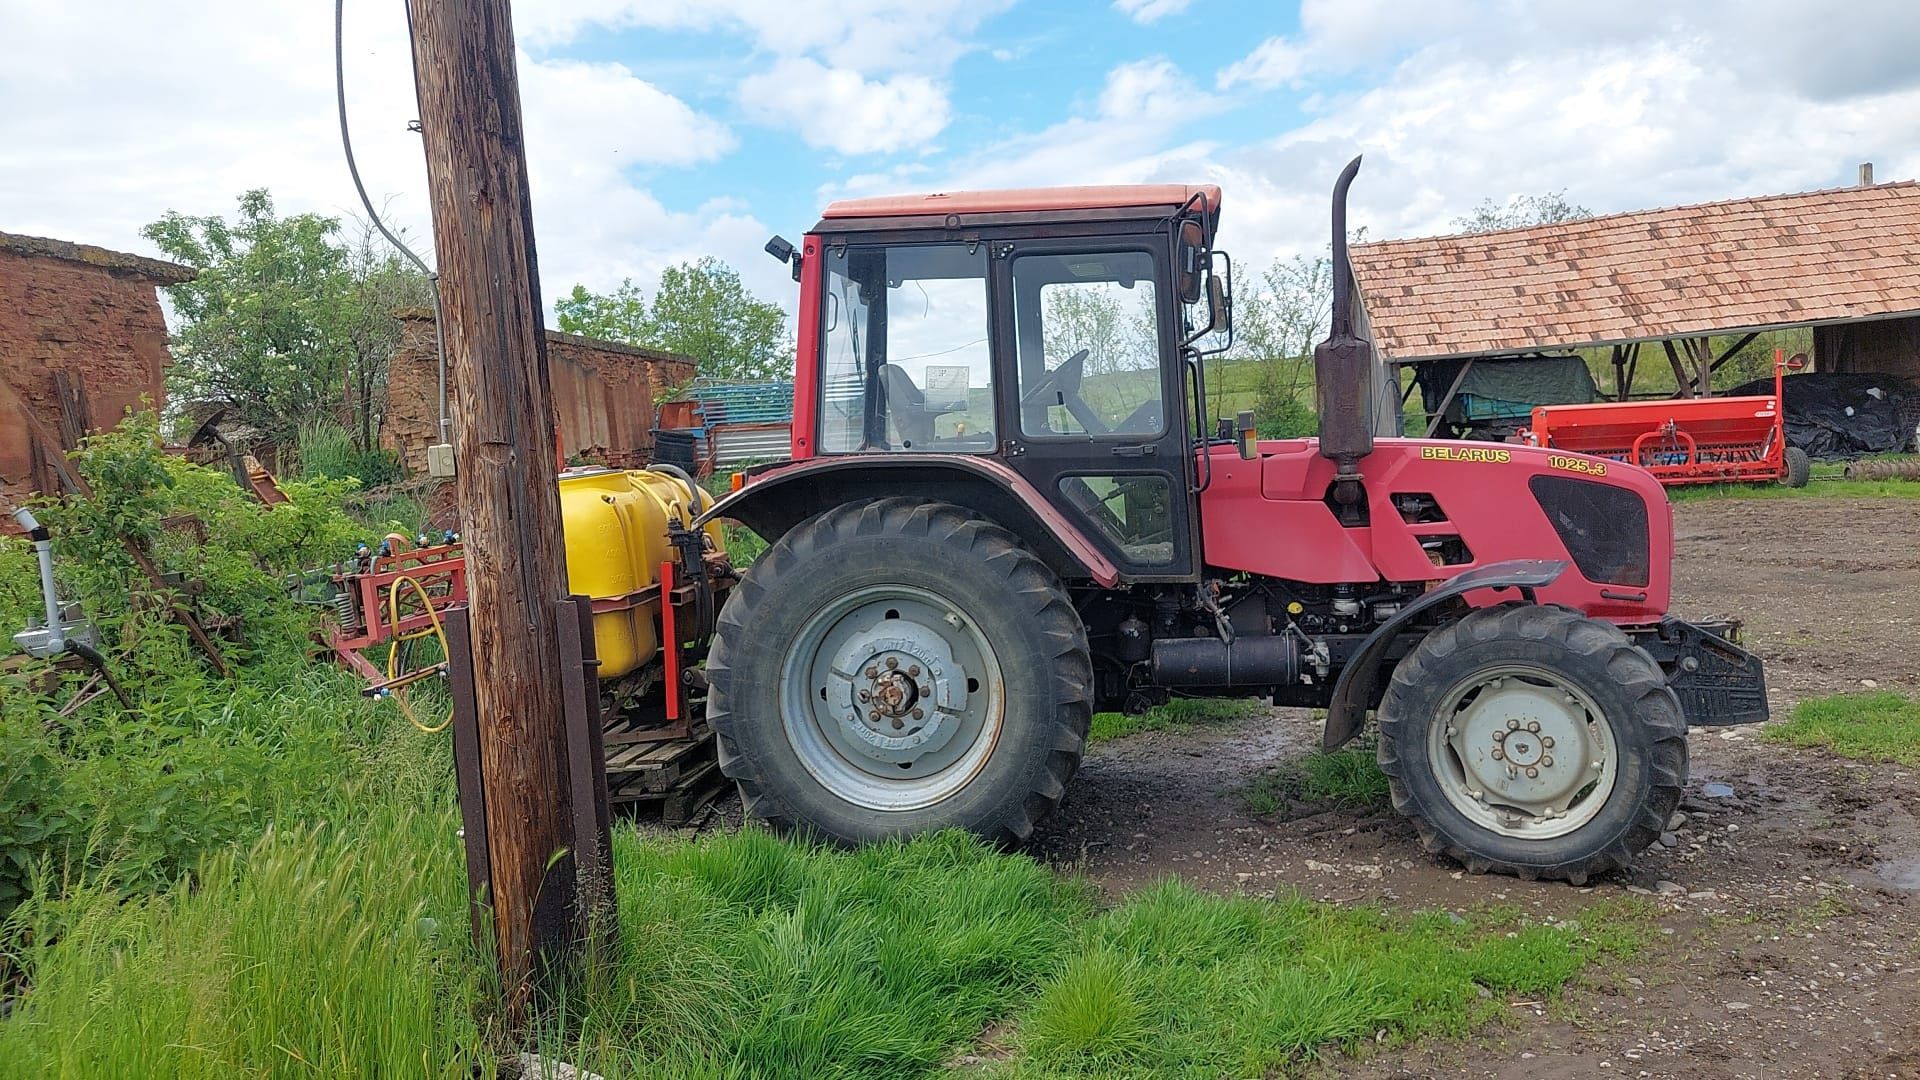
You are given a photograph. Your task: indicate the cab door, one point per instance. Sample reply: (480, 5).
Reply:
(1092, 401)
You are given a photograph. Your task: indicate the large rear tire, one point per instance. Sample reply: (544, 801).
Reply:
(1533, 741)
(897, 666)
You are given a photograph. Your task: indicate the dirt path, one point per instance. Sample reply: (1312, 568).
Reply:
(1788, 911)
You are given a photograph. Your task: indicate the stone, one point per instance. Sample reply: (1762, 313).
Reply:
(1676, 821)
(1668, 839)
(1668, 888)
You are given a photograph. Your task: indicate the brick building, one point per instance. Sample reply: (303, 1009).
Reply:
(82, 340)
(604, 393)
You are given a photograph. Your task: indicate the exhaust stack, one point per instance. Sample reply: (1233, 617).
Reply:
(1343, 371)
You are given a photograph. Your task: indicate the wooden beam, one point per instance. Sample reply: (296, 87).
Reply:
(502, 407)
(1433, 422)
(1681, 380)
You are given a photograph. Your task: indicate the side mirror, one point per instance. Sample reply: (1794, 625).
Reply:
(1193, 262)
(1219, 304)
(1797, 361)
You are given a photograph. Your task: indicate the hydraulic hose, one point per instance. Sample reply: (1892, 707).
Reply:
(434, 630)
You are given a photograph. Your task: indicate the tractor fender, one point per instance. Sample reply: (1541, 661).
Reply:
(1353, 692)
(774, 500)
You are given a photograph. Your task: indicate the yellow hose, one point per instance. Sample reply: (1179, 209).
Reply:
(433, 630)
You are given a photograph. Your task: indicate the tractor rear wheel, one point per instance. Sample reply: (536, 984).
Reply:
(897, 666)
(1533, 741)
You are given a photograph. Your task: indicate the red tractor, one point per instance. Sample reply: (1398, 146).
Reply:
(1007, 510)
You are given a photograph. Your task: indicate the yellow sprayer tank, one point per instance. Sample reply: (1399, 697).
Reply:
(616, 536)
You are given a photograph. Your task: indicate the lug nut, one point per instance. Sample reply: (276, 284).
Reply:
(1498, 755)
(1547, 742)
(1513, 725)
(874, 714)
(1533, 725)
(872, 672)
(1531, 773)
(1547, 762)
(892, 662)
(913, 671)
(919, 714)
(898, 723)
(865, 696)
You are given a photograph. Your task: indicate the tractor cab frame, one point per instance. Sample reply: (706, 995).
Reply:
(1043, 347)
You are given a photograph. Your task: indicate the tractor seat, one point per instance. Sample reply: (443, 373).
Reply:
(906, 406)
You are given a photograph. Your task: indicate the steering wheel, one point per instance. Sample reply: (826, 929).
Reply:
(1065, 379)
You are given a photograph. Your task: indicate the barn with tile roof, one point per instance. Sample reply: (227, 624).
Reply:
(1845, 262)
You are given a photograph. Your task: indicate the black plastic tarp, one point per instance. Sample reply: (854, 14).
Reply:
(1844, 414)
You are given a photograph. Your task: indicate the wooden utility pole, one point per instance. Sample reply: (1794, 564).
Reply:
(503, 443)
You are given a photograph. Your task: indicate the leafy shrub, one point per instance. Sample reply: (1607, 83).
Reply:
(38, 819)
(327, 452)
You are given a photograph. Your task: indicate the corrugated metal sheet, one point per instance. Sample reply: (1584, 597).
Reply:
(737, 443)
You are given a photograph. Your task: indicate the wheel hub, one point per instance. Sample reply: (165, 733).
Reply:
(1524, 753)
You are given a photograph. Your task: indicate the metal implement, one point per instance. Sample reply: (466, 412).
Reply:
(1700, 440)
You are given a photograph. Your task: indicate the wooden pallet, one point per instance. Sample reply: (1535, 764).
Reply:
(680, 776)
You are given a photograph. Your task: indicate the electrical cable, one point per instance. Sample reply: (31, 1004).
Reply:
(353, 169)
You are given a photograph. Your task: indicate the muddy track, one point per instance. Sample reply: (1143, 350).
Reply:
(1787, 913)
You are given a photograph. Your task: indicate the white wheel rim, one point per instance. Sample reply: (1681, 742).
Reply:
(1522, 752)
(892, 698)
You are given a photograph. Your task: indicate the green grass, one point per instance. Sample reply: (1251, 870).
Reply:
(1179, 714)
(1347, 777)
(1882, 726)
(322, 951)
(1176, 982)
(343, 951)
(1826, 484)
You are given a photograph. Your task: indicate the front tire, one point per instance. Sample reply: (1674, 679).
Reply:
(898, 666)
(1533, 741)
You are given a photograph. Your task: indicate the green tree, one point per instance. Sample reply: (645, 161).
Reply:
(1277, 321)
(700, 309)
(1521, 211)
(287, 321)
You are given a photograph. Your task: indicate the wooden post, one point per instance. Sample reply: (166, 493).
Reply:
(510, 508)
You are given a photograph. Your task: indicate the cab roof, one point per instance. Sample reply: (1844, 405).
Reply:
(1103, 201)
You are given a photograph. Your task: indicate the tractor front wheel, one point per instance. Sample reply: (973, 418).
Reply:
(897, 666)
(1533, 741)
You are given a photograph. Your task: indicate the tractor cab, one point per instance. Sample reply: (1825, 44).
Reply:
(1050, 334)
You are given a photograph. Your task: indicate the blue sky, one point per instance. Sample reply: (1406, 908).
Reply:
(664, 130)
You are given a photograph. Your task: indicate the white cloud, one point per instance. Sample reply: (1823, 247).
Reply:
(1274, 62)
(838, 109)
(867, 36)
(1149, 11)
(185, 106)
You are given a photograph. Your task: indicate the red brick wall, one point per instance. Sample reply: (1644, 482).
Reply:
(603, 393)
(102, 326)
